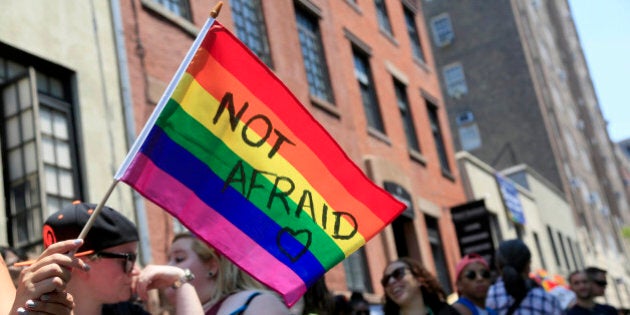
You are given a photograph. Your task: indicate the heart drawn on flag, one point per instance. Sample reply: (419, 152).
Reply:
(292, 252)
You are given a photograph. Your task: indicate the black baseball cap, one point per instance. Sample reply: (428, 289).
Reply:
(110, 228)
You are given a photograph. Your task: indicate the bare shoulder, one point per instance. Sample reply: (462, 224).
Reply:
(265, 300)
(6, 287)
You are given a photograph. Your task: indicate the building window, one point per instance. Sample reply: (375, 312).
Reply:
(179, 7)
(368, 95)
(414, 36)
(405, 238)
(357, 272)
(442, 30)
(250, 27)
(543, 264)
(572, 253)
(455, 80)
(39, 154)
(313, 54)
(578, 254)
(436, 130)
(553, 246)
(564, 250)
(435, 241)
(383, 17)
(469, 135)
(405, 115)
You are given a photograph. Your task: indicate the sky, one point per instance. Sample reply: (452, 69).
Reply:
(604, 30)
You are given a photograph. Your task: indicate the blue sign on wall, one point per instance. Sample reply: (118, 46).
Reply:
(510, 199)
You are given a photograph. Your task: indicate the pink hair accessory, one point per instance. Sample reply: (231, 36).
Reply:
(467, 260)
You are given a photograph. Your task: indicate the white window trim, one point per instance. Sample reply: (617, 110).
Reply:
(455, 88)
(436, 36)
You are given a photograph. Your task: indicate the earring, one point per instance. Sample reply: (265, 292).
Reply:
(210, 274)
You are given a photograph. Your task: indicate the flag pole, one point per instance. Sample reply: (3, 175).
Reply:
(135, 147)
(215, 11)
(94, 215)
(88, 225)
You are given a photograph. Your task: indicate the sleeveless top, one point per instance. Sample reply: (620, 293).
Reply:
(215, 308)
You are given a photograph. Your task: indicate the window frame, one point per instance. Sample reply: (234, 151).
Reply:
(406, 115)
(183, 8)
(49, 90)
(382, 17)
(367, 89)
(318, 75)
(442, 30)
(357, 271)
(455, 86)
(260, 39)
(433, 113)
(556, 255)
(439, 257)
(414, 34)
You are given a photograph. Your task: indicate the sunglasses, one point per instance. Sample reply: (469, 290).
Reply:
(472, 275)
(129, 259)
(601, 283)
(397, 274)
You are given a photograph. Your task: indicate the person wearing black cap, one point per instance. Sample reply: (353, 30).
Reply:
(514, 292)
(110, 248)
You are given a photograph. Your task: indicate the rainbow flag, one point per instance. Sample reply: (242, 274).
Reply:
(236, 158)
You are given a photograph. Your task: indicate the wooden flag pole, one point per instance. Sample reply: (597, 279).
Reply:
(215, 11)
(97, 211)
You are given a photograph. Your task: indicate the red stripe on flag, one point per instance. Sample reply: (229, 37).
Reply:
(277, 97)
(299, 155)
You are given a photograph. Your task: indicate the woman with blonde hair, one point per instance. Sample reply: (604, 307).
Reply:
(222, 287)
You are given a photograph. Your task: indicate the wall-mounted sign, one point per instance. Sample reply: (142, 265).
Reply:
(510, 199)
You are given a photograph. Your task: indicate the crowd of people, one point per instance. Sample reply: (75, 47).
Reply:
(102, 277)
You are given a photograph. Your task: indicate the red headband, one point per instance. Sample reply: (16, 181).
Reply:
(467, 260)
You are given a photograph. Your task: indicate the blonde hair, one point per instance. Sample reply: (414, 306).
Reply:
(229, 277)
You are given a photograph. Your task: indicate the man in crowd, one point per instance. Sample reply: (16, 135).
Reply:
(585, 290)
(110, 248)
(597, 276)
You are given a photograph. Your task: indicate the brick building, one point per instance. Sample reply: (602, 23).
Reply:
(364, 71)
(518, 90)
(95, 70)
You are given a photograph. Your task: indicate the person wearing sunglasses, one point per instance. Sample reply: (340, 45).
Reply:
(110, 250)
(598, 279)
(411, 289)
(472, 275)
(514, 292)
(585, 289)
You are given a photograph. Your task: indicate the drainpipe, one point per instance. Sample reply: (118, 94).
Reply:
(130, 126)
